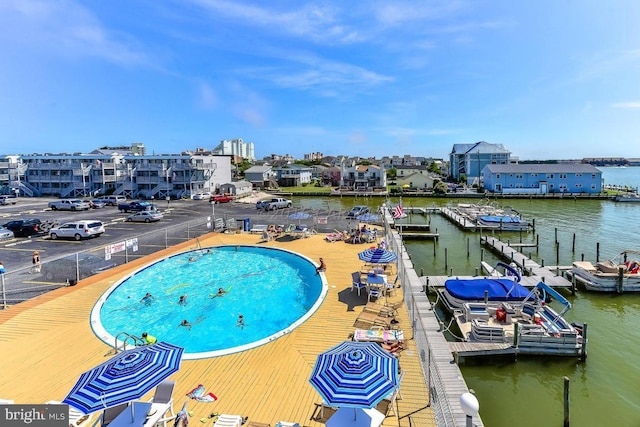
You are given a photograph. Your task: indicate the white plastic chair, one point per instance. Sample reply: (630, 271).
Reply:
(161, 403)
(76, 418)
(356, 282)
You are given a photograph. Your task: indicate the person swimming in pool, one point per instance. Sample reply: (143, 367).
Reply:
(182, 300)
(147, 299)
(148, 339)
(186, 324)
(240, 323)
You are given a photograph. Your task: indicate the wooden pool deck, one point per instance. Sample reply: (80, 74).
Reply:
(47, 342)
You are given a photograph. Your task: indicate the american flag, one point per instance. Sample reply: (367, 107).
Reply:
(398, 212)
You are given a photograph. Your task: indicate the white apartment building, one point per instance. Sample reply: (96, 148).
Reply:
(134, 176)
(236, 147)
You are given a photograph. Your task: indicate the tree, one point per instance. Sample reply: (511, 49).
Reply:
(439, 187)
(392, 173)
(433, 167)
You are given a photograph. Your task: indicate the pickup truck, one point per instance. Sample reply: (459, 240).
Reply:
(220, 198)
(273, 204)
(136, 206)
(69, 205)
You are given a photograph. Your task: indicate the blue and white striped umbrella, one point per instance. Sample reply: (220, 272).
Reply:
(125, 377)
(355, 374)
(377, 256)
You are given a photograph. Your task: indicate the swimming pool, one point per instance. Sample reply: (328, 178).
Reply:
(275, 290)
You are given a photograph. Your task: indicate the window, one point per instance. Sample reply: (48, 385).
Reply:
(550, 176)
(563, 176)
(519, 176)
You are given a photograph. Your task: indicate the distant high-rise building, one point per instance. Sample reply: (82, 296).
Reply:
(235, 147)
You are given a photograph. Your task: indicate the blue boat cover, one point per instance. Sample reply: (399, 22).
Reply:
(504, 219)
(473, 289)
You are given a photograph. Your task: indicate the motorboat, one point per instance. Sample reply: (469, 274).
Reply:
(533, 327)
(503, 222)
(627, 197)
(491, 290)
(618, 274)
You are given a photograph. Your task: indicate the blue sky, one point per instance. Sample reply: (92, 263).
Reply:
(546, 78)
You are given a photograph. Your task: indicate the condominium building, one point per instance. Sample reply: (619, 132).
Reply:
(236, 147)
(135, 176)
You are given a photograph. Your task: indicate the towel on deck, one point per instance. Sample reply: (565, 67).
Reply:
(201, 395)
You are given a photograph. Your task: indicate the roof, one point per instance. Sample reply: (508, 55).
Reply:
(544, 168)
(258, 169)
(479, 147)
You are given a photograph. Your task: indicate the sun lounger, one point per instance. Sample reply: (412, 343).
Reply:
(258, 228)
(161, 403)
(225, 420)
(380, 309)
(367, 320)
(378, 334)
(76, 418)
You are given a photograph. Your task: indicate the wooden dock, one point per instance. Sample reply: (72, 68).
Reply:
(529, 266)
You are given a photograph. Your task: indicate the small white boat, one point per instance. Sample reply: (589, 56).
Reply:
(619, 274)
(533, 327)
(629, 197)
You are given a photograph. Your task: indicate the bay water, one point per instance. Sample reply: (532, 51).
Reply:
(604, 389)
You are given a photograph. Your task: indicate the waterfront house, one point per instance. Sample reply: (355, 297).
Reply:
(365, 177)
(261, 176)
(237, 188)
(542, 178)
(293, 175)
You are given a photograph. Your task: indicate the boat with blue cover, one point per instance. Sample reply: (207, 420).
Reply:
(491, 290)
(532, 327)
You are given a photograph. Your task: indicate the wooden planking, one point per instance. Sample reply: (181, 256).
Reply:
(47, 342)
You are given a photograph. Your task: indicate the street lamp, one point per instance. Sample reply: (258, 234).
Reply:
(470, 407)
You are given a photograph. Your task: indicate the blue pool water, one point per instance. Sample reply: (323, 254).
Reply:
(274, 290)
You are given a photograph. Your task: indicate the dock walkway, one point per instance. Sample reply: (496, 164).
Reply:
(511, 254)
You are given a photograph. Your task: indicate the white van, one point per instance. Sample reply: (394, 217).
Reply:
(112, 200)
(77, 230)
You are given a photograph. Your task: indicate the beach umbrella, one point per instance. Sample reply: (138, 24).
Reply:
(300, 215)
(368, 217)
(377, 256)
(355, 375)
(125, 377)
(355, 417)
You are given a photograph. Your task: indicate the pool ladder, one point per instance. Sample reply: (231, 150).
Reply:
(124, 337)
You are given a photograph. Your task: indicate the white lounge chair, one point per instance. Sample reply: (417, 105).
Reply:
(161, 403)
(225, 420)
(76, 418)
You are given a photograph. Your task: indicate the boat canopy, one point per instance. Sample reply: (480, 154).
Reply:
(497, 289)
(544, 289)
(501, 219)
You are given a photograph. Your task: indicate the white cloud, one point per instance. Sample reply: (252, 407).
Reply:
(64, 27)
(631, 104)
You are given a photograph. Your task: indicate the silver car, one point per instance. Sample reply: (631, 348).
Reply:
(145, 216)
(5, 233)
(77, 230)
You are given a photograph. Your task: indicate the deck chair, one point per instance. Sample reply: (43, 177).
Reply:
(356, 282)
(380, 309)
(161, 403)
(386, 405)
(225, 420)
(257, 424)
(112, 413)
(76, 418)
(367, 320)
(266, 237)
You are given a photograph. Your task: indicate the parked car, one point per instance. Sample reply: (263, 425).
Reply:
(77, 230)
(8, 199)
(5, 233)
(145, 216)
(65, 268)
(24, 227)
(97, 204)
(136, 206)
(69, 205)
(357, 211)
(273, 204)
(113, 200)
(220, 198)
(201, 196)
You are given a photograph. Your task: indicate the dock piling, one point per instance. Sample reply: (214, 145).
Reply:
(566, 402)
